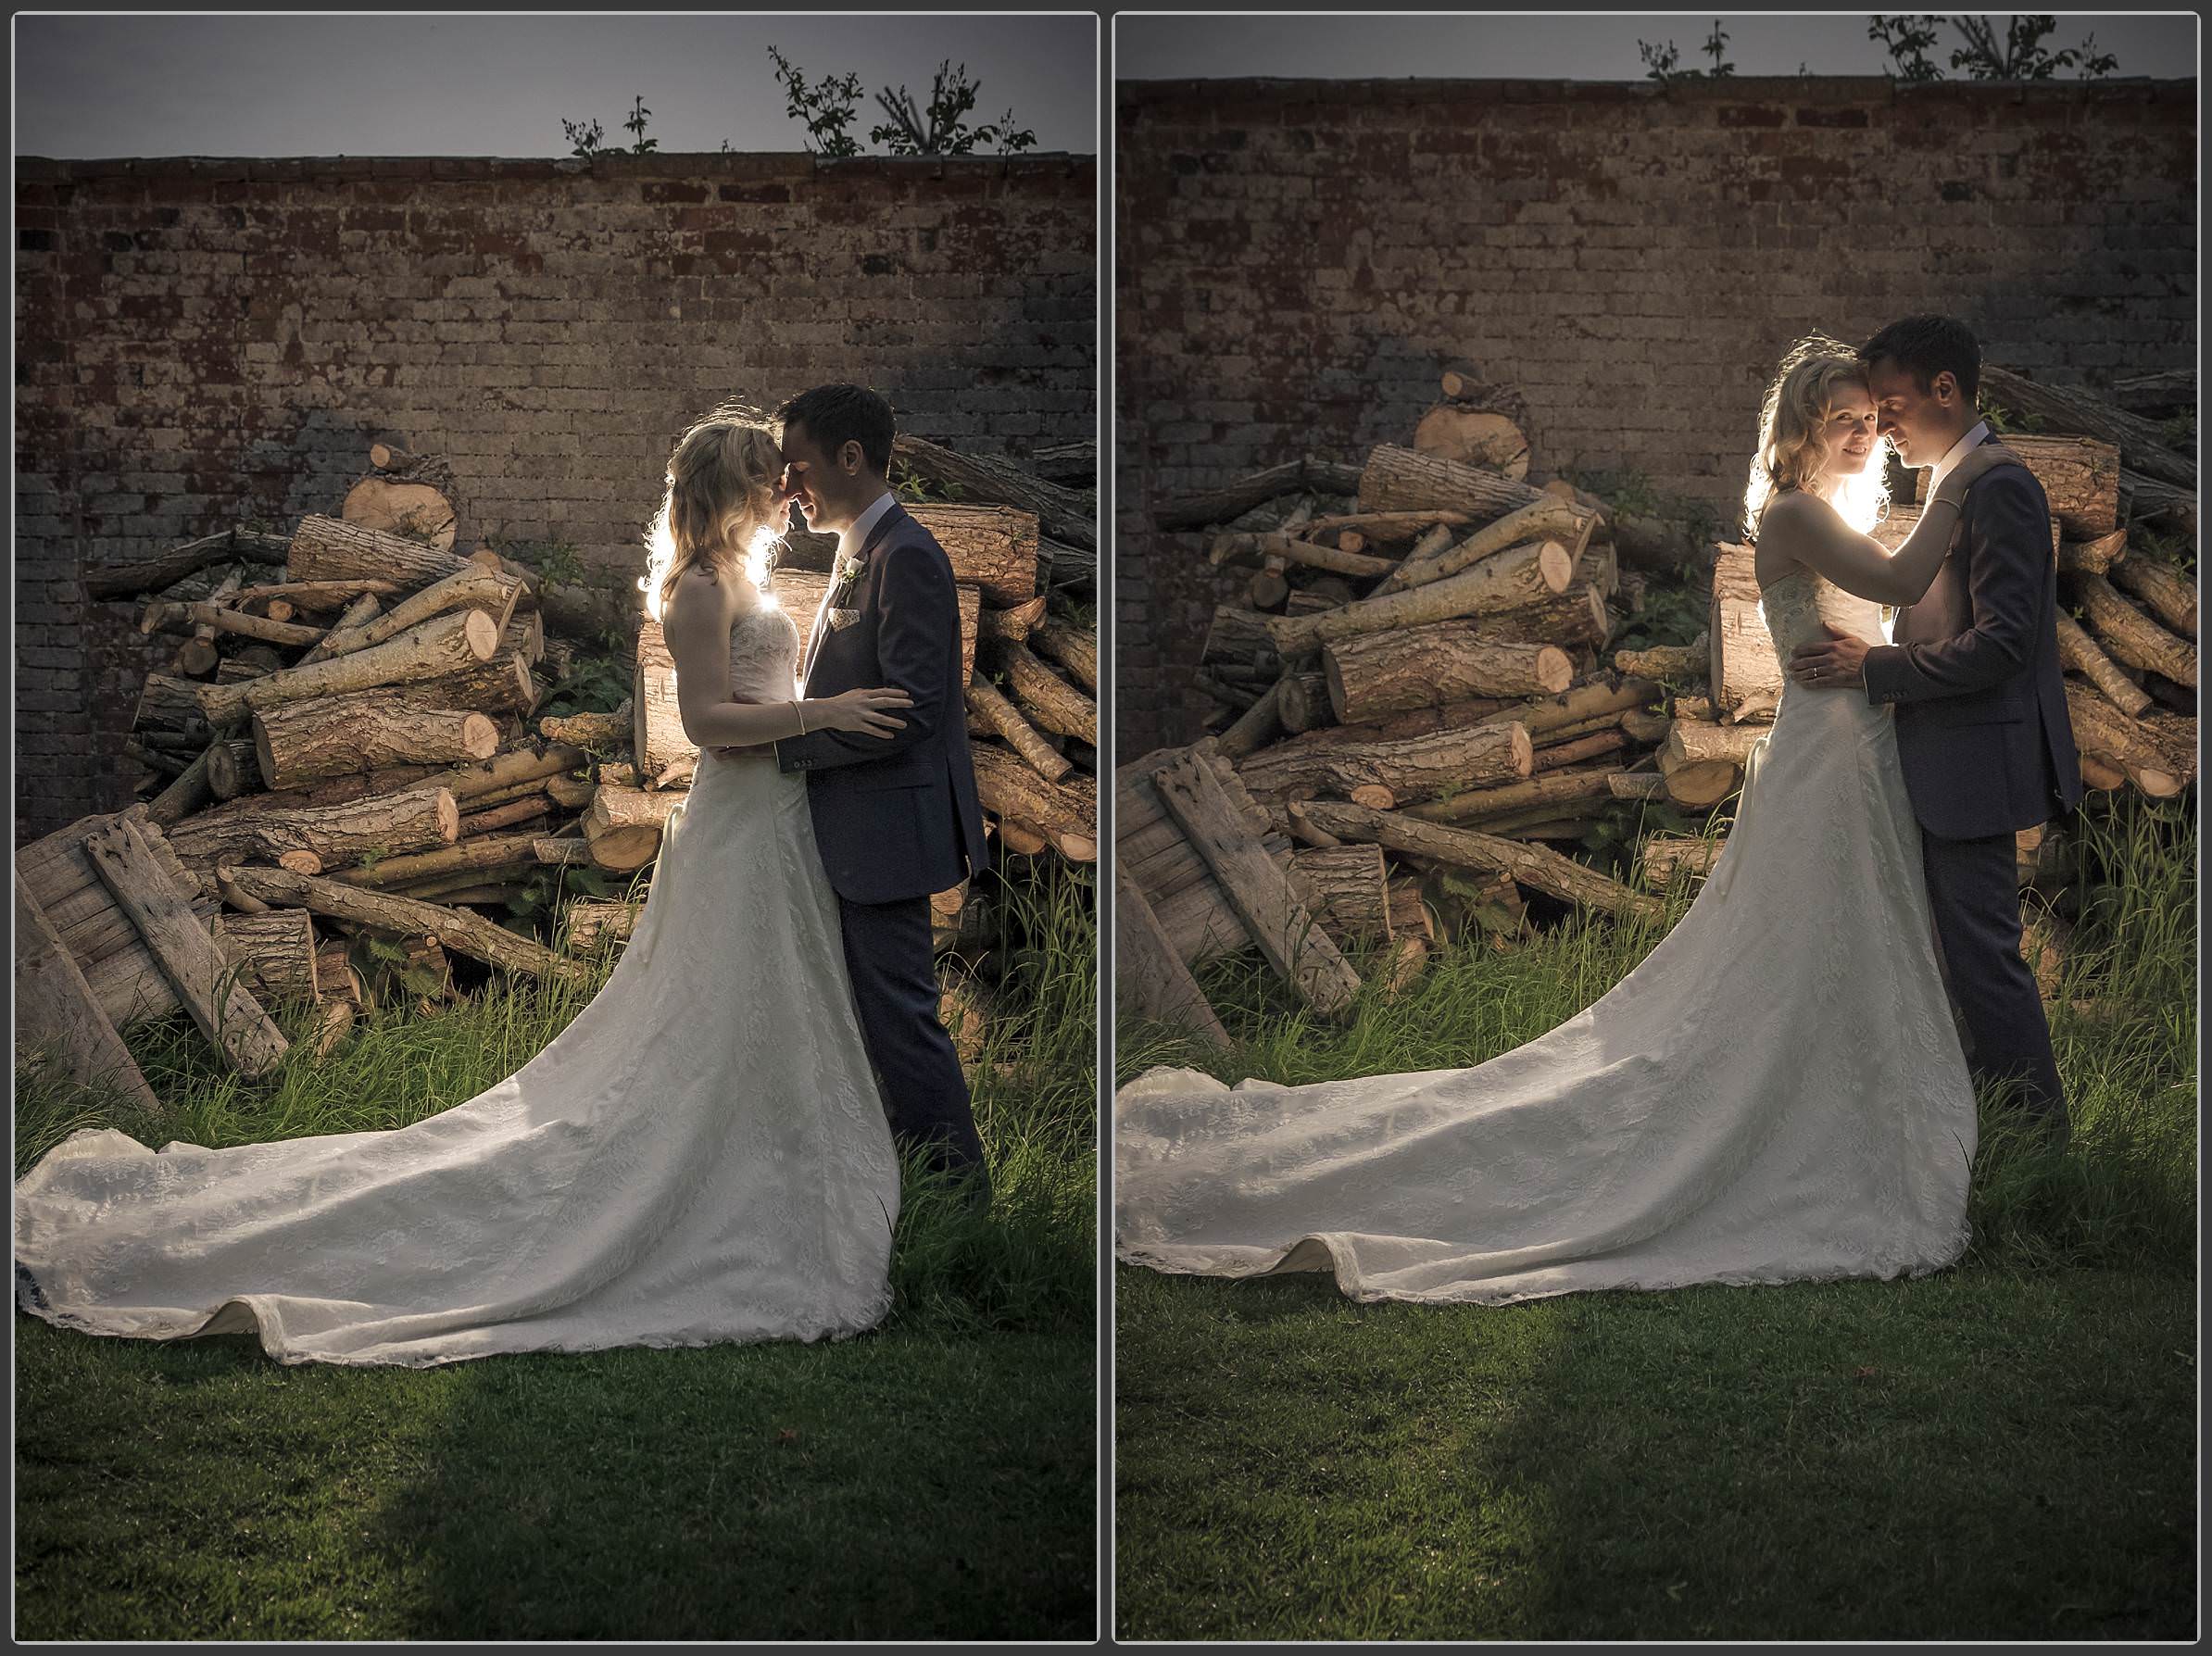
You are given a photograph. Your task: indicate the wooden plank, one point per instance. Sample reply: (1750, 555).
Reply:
(1149, 976)
(115, 961)
(54, 1004)
(1284, 928)
(188, 956)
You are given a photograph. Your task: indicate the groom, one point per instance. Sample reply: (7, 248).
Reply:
(896, 816)
(1982, 731)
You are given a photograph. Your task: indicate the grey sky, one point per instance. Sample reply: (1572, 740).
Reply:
(1580, 46)
(392, 83)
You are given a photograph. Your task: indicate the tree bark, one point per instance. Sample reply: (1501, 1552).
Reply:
(2102, 729)
(2141, 444)
(1533, 866)
(303, 742)
(1510, 580)
(458, 639)
(1012, 791)
(1046, 696)
(1701, 763)
(2078, 650)
(992, 548)
(2170, 594)
(1372, 674)
(1224, 505)
(1545, 519)
(1064, 513)
(1237, 548)
(408, 820)
(330, 549)
(462, 933)
(1411, 768)
(1075, 649)
(622, 827)
(1474, 436)
(2132, 636)
(1347, 891)
(1405, 480)
(1001, 716)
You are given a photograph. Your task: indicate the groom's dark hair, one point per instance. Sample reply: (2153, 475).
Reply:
(1924, 346)
(836, 415)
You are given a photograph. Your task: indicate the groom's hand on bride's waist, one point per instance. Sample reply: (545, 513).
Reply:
(1837, 662)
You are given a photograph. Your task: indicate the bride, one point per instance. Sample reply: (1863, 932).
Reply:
(699, 1156)
(1777, 1094)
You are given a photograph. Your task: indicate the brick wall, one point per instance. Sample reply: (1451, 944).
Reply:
(1297, 258)
(201, 341)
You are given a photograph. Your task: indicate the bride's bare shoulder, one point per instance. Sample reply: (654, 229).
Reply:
(1783, 525)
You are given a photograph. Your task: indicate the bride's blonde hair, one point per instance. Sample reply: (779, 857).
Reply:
(1799, 399)
(719, 507)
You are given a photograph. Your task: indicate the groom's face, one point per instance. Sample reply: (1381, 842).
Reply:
(821, 487)
(1921, 423)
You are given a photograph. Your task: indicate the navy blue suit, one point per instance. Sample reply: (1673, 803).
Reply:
(896, 817)
(1987, 748)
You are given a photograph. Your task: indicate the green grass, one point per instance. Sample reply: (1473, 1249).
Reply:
(934, 1478)
(2004, 1450)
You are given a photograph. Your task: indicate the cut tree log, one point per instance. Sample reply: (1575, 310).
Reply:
(2098, 556)
(1303, 700)
(590, 923)
(458, 639)
(2141, 444)
(1075, 649)
(1547, 518)
(1411, 768)
(1346, 889)
(1389, 529)
(2170, 594)
(1065, 514)
(1682, 663)
(1474, 436)
(1256, 726)
(2156, 396)
(1372, 674)
(1016, 621)
(475, 587)
(232, 768)
(1399, 479)
(1664, 858)
(1508, 582)
(1239, 549)
(2080, 478)
(1603, 696)
(458, 931)
(1150, 979)
(166, 569)
(1555, 789)
(2149, 501)
(1013, 792)
(1002, 717)
(330, 549)
(1284, 928)
(1044, 695)
(801, 591)
(303, 742)
(2079, 652)
(2103, 730)
(992, 548)
(483, 854)
(1531, 866)
(359, 613)
(624, 826)
(2132, 636)
(1701, 763)
(1238, 637)
(408, 820)
(276, 950)
(656, 737)
(57, 1010)
(1226, 504)
(199, 971)
(410, 495)
(1742, 668)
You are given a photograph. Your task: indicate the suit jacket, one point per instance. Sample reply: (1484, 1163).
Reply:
(1983, 735)
(895, 816)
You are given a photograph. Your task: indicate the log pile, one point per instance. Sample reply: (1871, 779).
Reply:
(342, 751)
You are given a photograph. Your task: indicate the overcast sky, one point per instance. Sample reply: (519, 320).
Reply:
(390, 83)
(1581, 45)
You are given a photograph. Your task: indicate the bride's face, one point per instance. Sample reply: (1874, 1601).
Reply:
(1848, 435)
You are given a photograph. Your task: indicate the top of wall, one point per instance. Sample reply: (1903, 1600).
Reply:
(779, 165)
(1804, 88)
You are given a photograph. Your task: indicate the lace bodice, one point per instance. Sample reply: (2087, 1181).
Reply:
(1800, 603)
(764, 655)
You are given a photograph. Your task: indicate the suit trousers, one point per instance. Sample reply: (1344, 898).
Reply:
(890, 960)
(1974, 899)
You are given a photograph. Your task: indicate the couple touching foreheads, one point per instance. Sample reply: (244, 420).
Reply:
(708, 1151)
(1782, 1091)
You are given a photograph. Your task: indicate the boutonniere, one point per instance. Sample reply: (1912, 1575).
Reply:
(848, 569)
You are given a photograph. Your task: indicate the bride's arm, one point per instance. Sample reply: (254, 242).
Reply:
(1806, 529)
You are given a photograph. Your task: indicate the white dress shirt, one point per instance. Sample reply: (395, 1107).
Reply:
(850, 541)
(1954, 454)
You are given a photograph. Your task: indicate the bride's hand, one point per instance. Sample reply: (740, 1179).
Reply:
(1976, 461)
(862, 711)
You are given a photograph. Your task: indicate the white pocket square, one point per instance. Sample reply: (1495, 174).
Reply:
(842, 617)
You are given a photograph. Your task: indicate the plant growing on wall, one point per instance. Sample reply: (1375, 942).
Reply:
(2021, 57)
(588, 139)
(1659, 62)
(828, 107)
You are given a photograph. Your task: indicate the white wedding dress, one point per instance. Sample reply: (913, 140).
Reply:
(1778, 1093)
(699, 1156)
